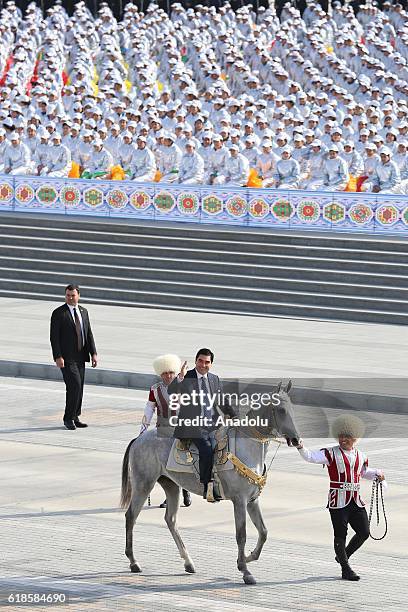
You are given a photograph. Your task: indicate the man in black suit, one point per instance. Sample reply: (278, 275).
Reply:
(201, 398)
(72, 345)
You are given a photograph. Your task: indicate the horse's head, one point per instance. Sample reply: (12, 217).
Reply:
(284, 416)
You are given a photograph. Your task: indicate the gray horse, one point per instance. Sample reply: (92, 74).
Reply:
(145, 461)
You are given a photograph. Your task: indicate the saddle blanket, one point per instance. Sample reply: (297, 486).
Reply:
(184, 457)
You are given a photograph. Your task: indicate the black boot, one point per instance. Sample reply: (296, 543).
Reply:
(186, 498)
(354, 544)
(340, 550)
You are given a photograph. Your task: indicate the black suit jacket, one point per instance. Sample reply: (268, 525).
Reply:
(191, 410)
(63, 335)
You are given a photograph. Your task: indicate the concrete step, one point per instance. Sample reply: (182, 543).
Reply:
(224, 233)
(156, 268)
(251, 247)
(113, 277)
(207, 304)
(189, 256)
(127, 240)
(257, 298)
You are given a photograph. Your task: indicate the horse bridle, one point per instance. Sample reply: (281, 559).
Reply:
(263, 439)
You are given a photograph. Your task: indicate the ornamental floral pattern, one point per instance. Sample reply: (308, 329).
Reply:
(212, 204)
(164, 201)
(188, 203)
(282, 210)
(116, 198)
(237, 206)
(93, 197)
(140, 200)
(308, 211)
(360, 213)
(334, 212)
(70, 196)
(387, 214)
(6, 192)
(24, 193)
(47, 194)
(258, 208)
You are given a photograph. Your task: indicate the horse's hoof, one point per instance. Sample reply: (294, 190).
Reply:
(249, 579)
(135, 568)
(190, 569)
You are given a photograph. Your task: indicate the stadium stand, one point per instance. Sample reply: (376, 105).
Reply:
(208, 95)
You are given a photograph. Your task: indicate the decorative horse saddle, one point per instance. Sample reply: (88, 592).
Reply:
(183, 456)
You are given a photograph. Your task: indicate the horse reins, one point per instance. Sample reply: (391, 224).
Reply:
(377, 484)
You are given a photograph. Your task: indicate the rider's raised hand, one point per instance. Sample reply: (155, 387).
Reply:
(183, 371)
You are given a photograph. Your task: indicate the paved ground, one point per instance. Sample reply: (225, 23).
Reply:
(128, 339)
(61, 530)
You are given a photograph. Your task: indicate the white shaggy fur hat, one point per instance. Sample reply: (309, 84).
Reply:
(347, 425)
(167, 363)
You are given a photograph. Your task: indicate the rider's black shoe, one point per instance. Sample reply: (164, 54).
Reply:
(186, 498)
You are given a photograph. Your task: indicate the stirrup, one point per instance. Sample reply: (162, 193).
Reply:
(213, 492)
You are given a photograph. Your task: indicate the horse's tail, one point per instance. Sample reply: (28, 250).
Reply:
(126, 493)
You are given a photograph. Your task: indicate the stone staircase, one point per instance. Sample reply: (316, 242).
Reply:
(237, 270)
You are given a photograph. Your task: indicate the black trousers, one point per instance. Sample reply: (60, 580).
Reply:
(351, 515)
(74, 376)
(205, 453)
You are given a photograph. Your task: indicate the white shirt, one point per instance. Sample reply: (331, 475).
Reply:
(319, 456)
(205, 410)
(200, 376)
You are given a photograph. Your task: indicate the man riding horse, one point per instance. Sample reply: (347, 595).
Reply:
(201, 392)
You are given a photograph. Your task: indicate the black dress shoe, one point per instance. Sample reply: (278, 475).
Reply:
(186, 498)
(216, 492)
(163, 504)
(78, 423)
(348, 574)
(69, 425)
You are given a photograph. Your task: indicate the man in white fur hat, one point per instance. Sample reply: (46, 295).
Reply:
(167, 367)
(345, 465)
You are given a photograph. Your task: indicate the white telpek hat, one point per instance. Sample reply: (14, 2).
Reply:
(167, 363)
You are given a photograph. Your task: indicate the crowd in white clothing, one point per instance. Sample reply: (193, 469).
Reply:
(202, 96)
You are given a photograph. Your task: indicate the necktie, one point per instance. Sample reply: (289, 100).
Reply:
(205, 397)
(78, 330)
